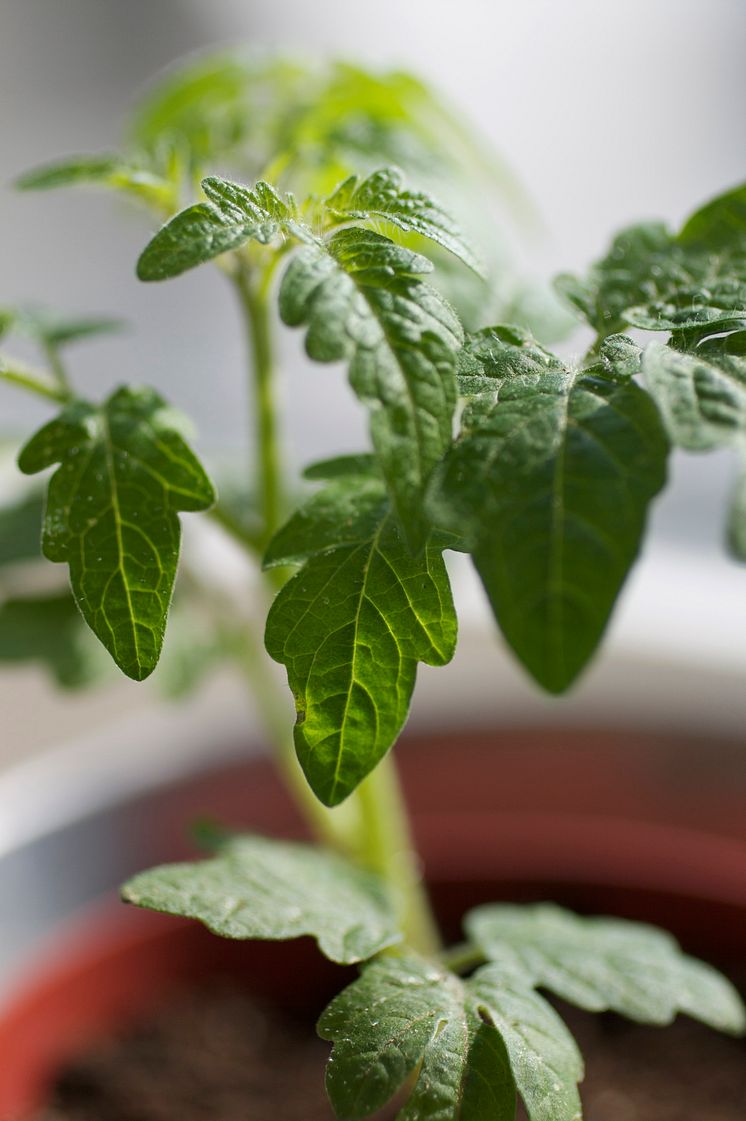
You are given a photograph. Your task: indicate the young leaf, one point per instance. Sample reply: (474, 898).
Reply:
(383, 195)
(600, 963)
(52, 329)
(49, 630)
(107, 171)
(72, 170)
(232, 216)
(257, 887)
(111, 514)
(360, 296)
(550, 483)
(468, 1045)
(351, 627)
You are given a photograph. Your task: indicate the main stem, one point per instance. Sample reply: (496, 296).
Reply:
(372, 826)
(254, 296)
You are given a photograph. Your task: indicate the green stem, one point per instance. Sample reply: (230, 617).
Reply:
(387, 848)
(34, 381)
(57, 368)
(254, 297)
(462, 958)
(332, 827)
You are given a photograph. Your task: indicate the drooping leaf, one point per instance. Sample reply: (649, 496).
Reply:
(362, 300)
(257, 887)
(601, 963)
(351, 626)
(49, 630)
(549, 484)
(736, 527)
(719, 223)
(383, 195)
(232, 216)
(111, 515)
(467, 1045)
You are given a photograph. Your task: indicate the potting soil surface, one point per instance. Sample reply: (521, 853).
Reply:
(217, 1054)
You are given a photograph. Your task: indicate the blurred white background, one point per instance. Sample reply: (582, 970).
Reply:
(608, 113)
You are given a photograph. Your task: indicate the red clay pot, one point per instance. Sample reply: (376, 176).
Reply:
(605, 823)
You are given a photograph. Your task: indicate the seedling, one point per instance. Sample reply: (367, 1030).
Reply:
(482, 441)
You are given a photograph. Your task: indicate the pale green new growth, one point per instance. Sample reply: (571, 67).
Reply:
(383, 195)
(232, 216)
(260, 888)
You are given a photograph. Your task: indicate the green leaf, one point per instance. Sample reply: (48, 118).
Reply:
(701, 395)
(601, 963)
(49, 630)
(51, 328)
(360, 296)
(405, 1017)
(351, 627)
(232, 216)
(718, 224)
(261, 888)
(71, 170)
(20, 530)
(111, 514)
(342, 466)
(383, 195)
(466, 1045)
(656, 282)
(621, 279)
(549, 484)
(544, 1057)
(348, 511)
(107, 171)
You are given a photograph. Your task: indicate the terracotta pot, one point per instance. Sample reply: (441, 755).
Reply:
(603, 823)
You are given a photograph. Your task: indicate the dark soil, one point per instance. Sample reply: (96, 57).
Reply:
(217, 1054)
